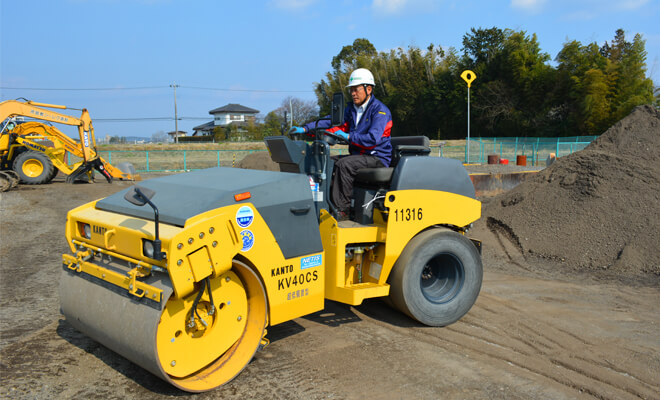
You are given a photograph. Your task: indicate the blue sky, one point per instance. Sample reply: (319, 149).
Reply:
(258, 51)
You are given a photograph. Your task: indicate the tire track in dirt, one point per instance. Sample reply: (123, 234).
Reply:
(560, 350)
(535, 346)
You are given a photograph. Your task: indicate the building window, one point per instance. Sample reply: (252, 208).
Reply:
(236, 117)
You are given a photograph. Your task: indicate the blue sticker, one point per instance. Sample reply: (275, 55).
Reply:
(248, 240)
(313, 185)
(244, 216)
(311, 261)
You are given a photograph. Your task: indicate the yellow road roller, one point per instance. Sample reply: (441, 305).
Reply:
(183, 274)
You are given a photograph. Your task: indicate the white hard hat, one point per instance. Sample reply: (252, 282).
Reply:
(361, 76)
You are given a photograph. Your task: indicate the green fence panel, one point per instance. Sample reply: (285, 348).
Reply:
(536, 149)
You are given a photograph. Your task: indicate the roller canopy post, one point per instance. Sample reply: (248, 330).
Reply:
(337, 109)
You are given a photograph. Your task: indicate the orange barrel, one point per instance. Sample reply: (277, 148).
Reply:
(493, 159)
(521, 160)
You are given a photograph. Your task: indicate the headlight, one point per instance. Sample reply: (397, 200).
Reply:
(85, 230)
(148, 248)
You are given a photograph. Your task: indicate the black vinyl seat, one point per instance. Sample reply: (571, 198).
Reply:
(402, 146)
(373, 177)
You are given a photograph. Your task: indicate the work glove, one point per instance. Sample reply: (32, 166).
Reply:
(296, 130)
(342, 134)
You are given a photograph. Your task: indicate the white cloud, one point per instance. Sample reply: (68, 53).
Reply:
(631, 4)
(293, 4)
(533, 6)
(396, 7)
(589, 10)
(389, 6)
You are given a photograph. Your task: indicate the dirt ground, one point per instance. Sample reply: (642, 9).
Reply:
(568, 307)
(539, 329)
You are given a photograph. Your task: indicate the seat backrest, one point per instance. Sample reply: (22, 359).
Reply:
(410, 141)
(409, 146)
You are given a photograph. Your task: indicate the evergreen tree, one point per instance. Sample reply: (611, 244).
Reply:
(517, 93)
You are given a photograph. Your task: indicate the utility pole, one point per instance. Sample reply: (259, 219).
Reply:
(176, 118)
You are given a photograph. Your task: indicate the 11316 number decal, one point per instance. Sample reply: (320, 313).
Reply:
(408, 214)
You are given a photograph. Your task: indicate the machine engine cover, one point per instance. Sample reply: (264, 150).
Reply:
(284, 200)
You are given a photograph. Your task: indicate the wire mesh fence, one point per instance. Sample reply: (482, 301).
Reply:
(535, 149)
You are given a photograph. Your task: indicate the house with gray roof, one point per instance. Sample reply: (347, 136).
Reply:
(225, 115)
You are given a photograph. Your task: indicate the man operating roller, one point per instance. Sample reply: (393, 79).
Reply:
(367, 125)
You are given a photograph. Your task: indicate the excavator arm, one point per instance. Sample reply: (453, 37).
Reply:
(13, 108)
(86, 149)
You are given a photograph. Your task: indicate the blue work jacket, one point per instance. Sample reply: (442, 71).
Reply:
(370, 136)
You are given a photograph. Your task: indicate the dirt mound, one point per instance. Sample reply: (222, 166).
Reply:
(595, 210)
(258, 160)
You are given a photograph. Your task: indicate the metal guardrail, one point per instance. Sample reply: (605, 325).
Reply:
(536, 150)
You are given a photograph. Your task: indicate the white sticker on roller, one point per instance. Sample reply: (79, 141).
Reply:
(374, 270)
(244, 216)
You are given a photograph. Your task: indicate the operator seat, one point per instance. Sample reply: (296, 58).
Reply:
(403, 146)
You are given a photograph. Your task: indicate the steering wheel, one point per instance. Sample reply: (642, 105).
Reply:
(295, 136)
(336, 138)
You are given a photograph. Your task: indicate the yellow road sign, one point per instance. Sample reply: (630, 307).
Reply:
(468, 76)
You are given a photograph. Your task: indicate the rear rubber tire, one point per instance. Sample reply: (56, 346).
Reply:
(437, 278)
(33, 167)
(53, 174)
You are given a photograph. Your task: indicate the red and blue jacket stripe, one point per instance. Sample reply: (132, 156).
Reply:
(371, 135)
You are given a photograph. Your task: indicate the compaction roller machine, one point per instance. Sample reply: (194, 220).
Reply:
(183, 274)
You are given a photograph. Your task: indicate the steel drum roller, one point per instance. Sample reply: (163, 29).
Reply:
(160, 338)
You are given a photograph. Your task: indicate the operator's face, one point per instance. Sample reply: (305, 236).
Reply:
(359, 95)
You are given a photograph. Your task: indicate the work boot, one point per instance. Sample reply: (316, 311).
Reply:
(342, 215)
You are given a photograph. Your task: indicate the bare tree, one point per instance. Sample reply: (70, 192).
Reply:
(159, 137)
(303, 110)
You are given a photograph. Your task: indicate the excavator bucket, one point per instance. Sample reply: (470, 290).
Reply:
(8, 180)
(86, 167)
(5, 183)
(124, 171)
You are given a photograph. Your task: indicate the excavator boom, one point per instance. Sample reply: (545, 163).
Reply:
(13, 108)
(43, 162)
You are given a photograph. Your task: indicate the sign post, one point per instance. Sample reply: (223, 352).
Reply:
(468, 76)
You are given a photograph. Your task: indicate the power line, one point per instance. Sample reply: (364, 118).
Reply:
(84, 89)
(138, 119)
(156, 87)
(246, 90)
(133, 119)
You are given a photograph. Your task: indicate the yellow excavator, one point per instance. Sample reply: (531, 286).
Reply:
(183, 274)
(36, 151)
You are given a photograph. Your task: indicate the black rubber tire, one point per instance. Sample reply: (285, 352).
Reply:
(53, 174)
(26, 158)
(437, 278)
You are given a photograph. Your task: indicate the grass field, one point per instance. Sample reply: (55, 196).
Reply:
(189, 156)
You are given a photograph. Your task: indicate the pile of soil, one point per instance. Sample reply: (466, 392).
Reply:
(596, 209)
(258, 160)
